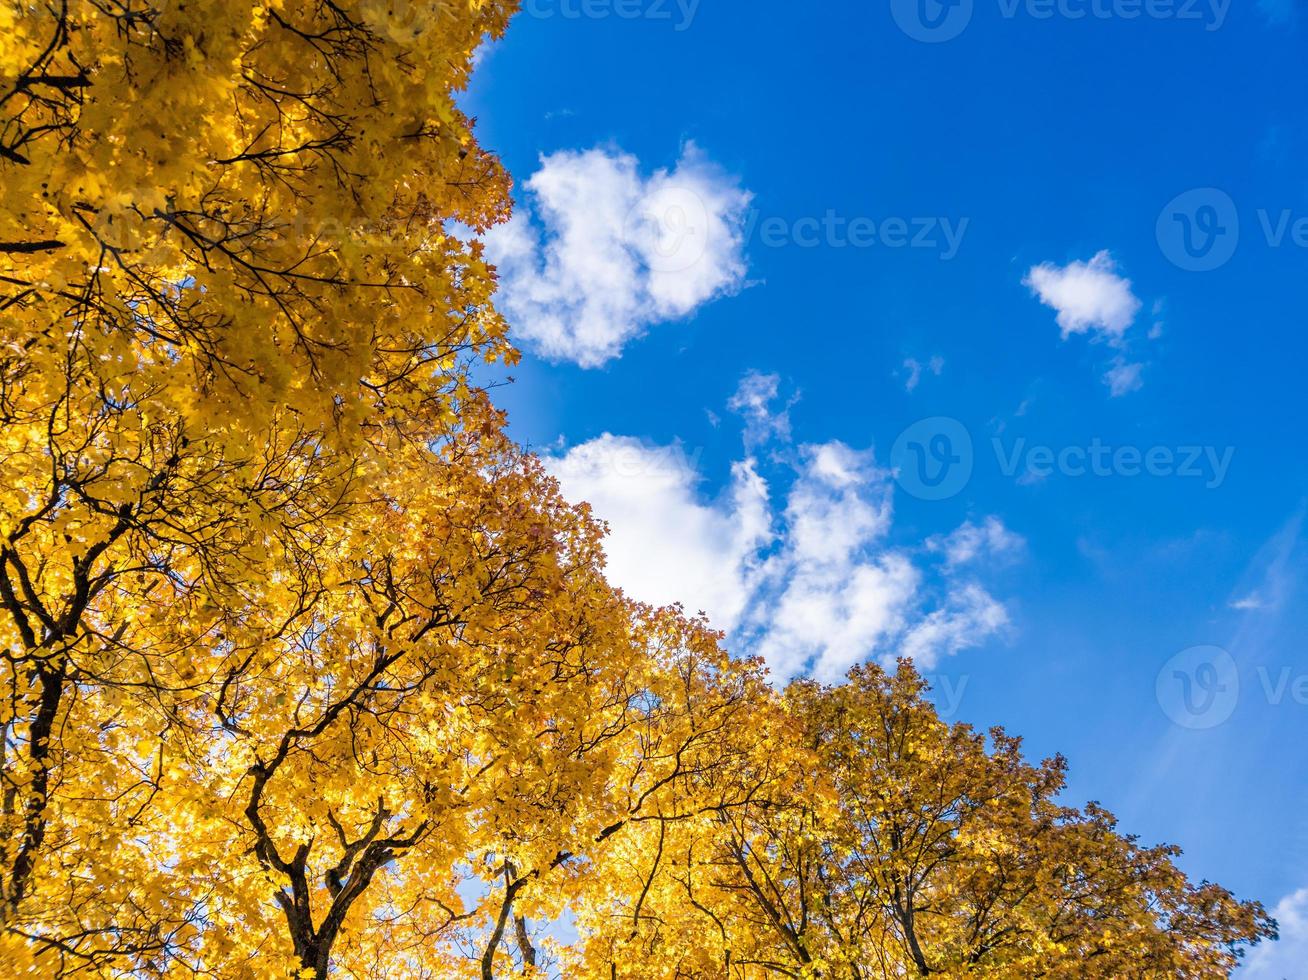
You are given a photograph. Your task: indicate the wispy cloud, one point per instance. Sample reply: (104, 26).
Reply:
(753, 403)
(1124, 377)
(915, 368)
(1286, 958)
(1249, 603)
(972, 542)
(1272, 576)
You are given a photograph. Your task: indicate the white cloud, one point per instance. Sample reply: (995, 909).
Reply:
(1033, 477)
(970, 542)
(753, 402)
(829, 617)
(809, 580)
(1124, 377)
(969, 612)
(1250, 603)
(1089, 297)
(914, 374)
(1270, 579)
(1092, 298)
(1156, 331)
(665, 544)
(611, 252)
(833, 593)
(840, 503)
(915, 369)
(1286, 959)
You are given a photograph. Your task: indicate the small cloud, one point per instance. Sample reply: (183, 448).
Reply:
(753, 402)
(1089, 297)
(1124, 377)
(1273, 575)
(1156, 330)
(914, 367)
(1253, 601)
(914, 374)
(972, 542)
(1031, 478)
(598, 253)
(1092, 298)
(969, 612)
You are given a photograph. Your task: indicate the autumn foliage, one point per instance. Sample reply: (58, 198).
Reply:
(308, 669)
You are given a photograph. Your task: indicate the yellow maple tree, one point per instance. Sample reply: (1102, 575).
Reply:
(229, 293)
(892, 844)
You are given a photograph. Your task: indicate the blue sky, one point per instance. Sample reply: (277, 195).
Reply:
(973, 332)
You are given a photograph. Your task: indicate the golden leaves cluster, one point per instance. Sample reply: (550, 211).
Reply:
(873, 840)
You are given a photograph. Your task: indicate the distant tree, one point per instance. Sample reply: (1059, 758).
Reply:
(897, 845)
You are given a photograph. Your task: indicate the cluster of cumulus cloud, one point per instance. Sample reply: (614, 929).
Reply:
(795, 559)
